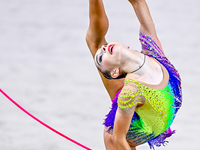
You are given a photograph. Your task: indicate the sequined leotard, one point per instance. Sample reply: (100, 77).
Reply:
(151, 122)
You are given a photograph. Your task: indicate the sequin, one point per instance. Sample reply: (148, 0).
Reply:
(151, 122)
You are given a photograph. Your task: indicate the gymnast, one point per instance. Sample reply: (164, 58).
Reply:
(145, 87)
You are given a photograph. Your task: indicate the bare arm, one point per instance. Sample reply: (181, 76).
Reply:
(98, 26)
(96, 37)
(146, 22)
(121, 127)
(128, 100)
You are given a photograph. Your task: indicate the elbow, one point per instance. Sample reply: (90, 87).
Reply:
(119, 143)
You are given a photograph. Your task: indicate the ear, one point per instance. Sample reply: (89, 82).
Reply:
(115, 73)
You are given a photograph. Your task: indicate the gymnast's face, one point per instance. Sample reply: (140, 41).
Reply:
(109, 56)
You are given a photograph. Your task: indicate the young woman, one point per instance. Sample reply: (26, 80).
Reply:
(146, 94)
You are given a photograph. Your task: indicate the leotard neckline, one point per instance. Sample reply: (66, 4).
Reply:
(164, 81)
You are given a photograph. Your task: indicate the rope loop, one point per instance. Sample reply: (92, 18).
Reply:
(44, 124)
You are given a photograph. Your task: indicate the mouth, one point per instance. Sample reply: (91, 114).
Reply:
(110, 48)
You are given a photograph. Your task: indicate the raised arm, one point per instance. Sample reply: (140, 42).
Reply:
(95, 38)
(146, 22)
(98, 26)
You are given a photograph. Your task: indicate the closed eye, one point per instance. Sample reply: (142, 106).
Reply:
(100, 59)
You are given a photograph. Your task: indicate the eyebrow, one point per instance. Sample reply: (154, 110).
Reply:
(97, 60)
(105, 44)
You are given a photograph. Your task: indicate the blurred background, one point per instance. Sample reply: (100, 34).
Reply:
(46, 67)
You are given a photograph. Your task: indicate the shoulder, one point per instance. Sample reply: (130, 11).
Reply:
(130, 96)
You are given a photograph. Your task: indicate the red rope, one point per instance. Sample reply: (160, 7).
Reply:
(43, 122)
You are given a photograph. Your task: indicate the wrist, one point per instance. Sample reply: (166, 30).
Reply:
(136, 1)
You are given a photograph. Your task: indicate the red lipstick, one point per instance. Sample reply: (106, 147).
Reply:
(110, 48)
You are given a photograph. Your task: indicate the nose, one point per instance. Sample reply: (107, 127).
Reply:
(104, 48)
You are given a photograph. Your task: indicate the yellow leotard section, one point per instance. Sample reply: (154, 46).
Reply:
(156, 113)
(129, 97)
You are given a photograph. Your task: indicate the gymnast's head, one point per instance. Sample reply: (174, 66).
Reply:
(109, 60)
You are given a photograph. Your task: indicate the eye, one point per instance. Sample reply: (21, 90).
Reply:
(100, 58)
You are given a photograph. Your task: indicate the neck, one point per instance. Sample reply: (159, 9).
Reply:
(134, 63)
(140, 65)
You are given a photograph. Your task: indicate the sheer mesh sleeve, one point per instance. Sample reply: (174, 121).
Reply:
(129, 97)
(149, 46)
